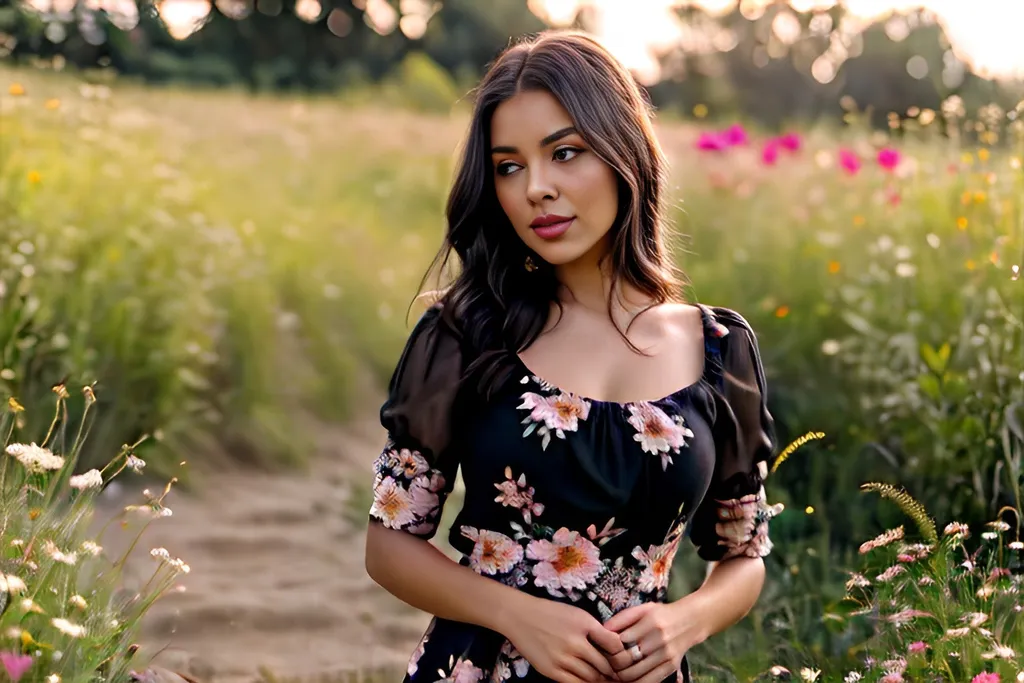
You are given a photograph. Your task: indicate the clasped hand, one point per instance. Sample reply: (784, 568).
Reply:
(568, 645)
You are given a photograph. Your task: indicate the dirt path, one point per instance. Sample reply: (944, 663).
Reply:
(277, 576)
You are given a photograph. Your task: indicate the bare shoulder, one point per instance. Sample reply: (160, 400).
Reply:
(679, 318)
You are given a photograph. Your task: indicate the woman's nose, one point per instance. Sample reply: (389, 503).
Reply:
(541, 187)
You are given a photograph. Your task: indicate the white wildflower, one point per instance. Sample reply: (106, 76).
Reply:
(135, 464)
(998, 525)
(176, 563)
(12, 584)
(35, 458)
(57, 555)
(91, 548)
(89, 480)
(957, 632)
(852, 677)
(53, 678)
(989, 535)
(809, 675)
(68, 628)
(78, 601)
(999, 652)
(975, 619)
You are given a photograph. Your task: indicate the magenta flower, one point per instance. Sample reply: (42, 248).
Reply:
(985, 677)
(790, 142)
(888, 158)
(917, 646)
(770, 153)
(15, 665)
(849, 161)
(735, 135)
(713, 142)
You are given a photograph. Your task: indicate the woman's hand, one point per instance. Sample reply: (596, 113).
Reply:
(663, 632)
(562, 642)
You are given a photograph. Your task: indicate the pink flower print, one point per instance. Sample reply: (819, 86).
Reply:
(657, 433)
(790, 142)
(558, 414)
(888, 158)
(15, 665)
(568, 561)
(463, 672)
(518, 495)
(410, 464)
(392, 504)
(849, 161)
(417, 654)
(493, 553)
(422, 500)
(985, 677)
(656, 563)
(743, 525)
(770, 153)
(509, 661)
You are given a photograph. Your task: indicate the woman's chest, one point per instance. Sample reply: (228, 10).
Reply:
(584, 461)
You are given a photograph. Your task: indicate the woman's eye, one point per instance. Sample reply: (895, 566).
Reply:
(566, 153)
(506, 168)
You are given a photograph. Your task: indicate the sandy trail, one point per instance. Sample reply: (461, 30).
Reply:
(277, 576)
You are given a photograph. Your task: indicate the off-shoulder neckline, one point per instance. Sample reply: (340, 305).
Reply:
(711, 329)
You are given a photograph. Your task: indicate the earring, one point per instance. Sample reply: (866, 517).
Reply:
(529, 265)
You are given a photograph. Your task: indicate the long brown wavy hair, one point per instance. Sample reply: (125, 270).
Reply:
(495, 305)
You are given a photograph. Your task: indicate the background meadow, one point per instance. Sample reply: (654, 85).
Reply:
(233, 268)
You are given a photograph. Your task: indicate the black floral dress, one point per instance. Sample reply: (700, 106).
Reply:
(570, 498)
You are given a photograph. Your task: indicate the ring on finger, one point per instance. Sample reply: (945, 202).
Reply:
(636, 653)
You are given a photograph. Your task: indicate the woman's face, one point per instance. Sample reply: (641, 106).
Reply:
(560, 197)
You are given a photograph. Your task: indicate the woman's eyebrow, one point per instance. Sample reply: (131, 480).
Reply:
(554, 137)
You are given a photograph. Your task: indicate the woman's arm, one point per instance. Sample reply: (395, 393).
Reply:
(729, 592)
(417, 573)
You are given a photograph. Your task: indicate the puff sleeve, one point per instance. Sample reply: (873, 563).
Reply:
(733, 517)
(416, 469)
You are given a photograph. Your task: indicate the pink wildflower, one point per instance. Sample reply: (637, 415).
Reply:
(985, 677)
(15, 665)
(790, 142)
(849, 161)
(712, 142)
(917, 646)
(888, 158)
(735, 135)
(770, 153)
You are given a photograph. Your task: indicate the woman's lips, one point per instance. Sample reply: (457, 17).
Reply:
(550, 232)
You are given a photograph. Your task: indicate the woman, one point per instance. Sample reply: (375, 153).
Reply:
(596, 418)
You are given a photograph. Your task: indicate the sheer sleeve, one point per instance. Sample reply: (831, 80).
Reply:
(733, 517)
(416, 469)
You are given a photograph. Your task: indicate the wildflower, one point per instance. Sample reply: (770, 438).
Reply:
(91, 548)
(35, 459)
(852, 677)
(954, 528)
(961, 223)
(975, 619)
(78, 601)
(34, 177)
(849, 161)
(989, 535)
(51, 549)
(985, 677)
(892, 677)
(890, 573)
(53, 678)
(790, 142)
(735, 135)
(16, 90)
(857, 581)
(834, 267)
(15, 665)
(957, 632)
(135, 464)
(917, 646)
(89, 480)
(986, 591)
(999, 652)
(778, 671)
(882, 540)
(711, 142)
(30, 605)
(888, 158)
(176, 563)
(782, 311)
(68, 628)
(52, 103)
(810, 675)
(905, 616)
(770, 153)
(998, 525)
(14, 406)
(1016, 545)
(926, 581)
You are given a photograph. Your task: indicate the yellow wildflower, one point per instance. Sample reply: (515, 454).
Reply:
(16, 90)
(52, 103)
(35, 177)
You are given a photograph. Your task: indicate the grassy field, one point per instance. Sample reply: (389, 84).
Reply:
(220, 264)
